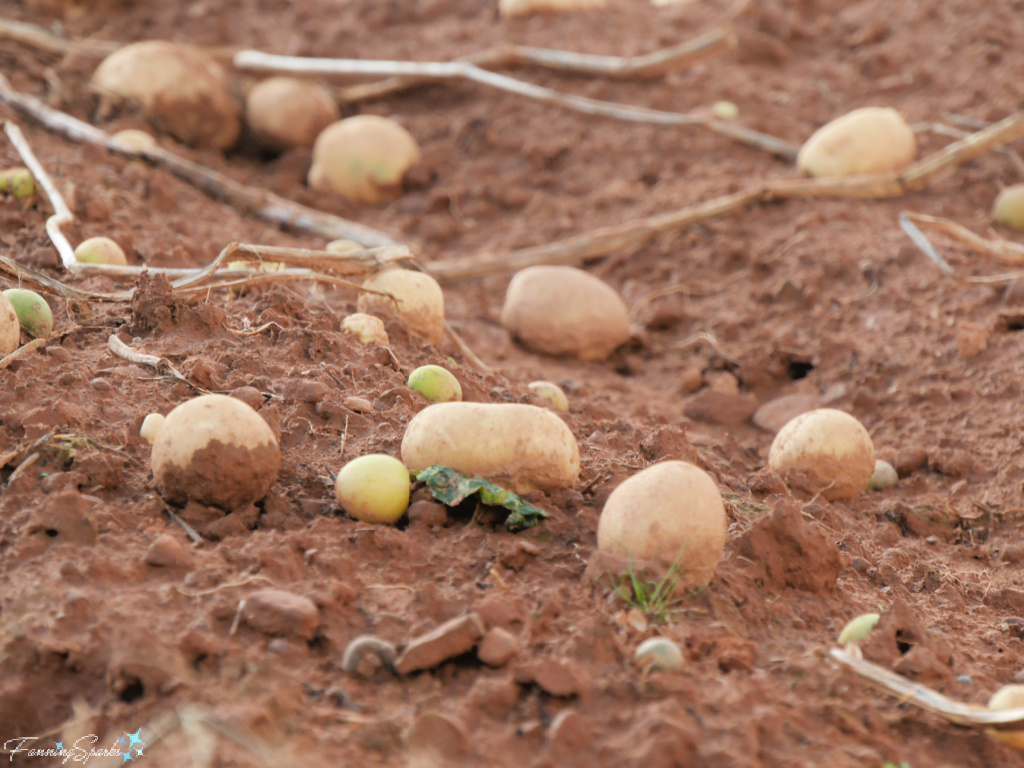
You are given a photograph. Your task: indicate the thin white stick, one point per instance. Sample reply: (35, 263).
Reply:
(61, 213)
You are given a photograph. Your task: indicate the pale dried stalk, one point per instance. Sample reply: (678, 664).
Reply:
(256, 61)
(468, 354)
(968, 715)
(159, 364)
(61, 213)
(647, 65)
(604, 240)
(40, 39)
(1003, 251)
(918, 238)
(259, 202)
(20, 352)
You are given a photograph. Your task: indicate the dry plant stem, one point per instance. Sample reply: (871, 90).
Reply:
(259, 202)
(38, 38)
(188, 529)
(470, 357)
(159, 364)
(649, 65)
(604, 240)
(20, 352)
(907, 223)
(256, 61)
(1003, 250)
(61, 213)
(969, 715)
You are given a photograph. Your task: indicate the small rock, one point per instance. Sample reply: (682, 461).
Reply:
(358, 404)
(498, 647)
(306, 391)
(691, 380)
(965, 679)
(909, 460)
(1012, 554)
(279, 613)
(933, 540)
(494, 697)
(972, 339)
(555, 676)
(453, 638)
(167, 551)
(101, 385)
(250, 396)
(1019, 677)
(570, 738)
(774, 415)
(721, 408)
(428, 513)
(437, 741)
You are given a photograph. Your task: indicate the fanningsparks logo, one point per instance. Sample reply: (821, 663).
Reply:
(128, 747)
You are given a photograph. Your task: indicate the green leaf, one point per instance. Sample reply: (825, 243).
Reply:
(451, 488)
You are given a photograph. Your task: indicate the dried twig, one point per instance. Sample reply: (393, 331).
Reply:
(20, 352)
(28, 276)
(159, 364)
(470, 357)
(188, 529)
(259, 202)
(604, 240)
(21, 468)
(257, 61)
(1001, 249)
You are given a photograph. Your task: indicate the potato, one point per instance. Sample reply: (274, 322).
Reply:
(367, 327)
(512, 8)
(100, 250)
(373, 488)
(363, 158)
(521, 447)
(670, 510)
(180, 89)
(565, 311)
(867, 140)
(884, 476)
(151, 426)
(17, 182)
(285, 112)
(549, 395)
(1009, 207)
(344, 246)
(418, 301)
(826, 451)
(134, 139)
(435, 383)
(658, 654)
(215, 450)
(10, 328)
(34, 314)
(1007, 697)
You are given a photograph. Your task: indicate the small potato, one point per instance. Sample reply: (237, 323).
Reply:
(285, 112)
(215, 450)
(373, 488)
(866, 140)
(134, 139)
(826, 451)
(151, 426)
(521, 447)
(10, 328)
(549, 395)
(367, 328)
(181, 90)
(363, 158)
(658, 654)
(884, 476)
(512, 8)
(435, 383)
(17, 182)
(565, 311)
(100, 250)
(1007, 697)
(33, 312)
(669, 510)
(418, 301)
(1009, 207)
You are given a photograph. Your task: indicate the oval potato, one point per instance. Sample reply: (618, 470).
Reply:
(285, 112)
(670, 510)
(824, 451)
(1007, 697)
(866, 140)
(521, 447)
(1008, 208)
(418, 301)
(565, 311)
(10, 328)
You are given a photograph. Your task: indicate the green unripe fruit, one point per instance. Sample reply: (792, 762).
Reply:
(17, 182)
(373, 488)
(435, 383)
(33, 312)
(100, 250)
(858, 628)
(1009, 207)
(883, 477)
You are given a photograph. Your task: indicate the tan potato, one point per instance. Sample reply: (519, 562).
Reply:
(215, 450)
(132, 138)
(100, 250)
(565, 311)
(151, 427)
(826, 451)
(866, 140)
(363, 158)
(521, 447)
(180, 88)
(512, 8)
(10, 328)
(285, 112)
(366, 327)
(669, 508)
(1007, 697)
(549, 395)
(1009, 207)
(420, 301)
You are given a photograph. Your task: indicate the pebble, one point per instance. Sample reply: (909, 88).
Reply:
(358, 404)
(717, 407)
(499, 646)
(570, 736)
(555, 676)
(248, 395)
(168, 551)
(306, 391)
(451, 639)
(428, 513)
(437, 741)
(279, 613)
(775, 414)
(909, 460)
(1012, 554)
(965, 679)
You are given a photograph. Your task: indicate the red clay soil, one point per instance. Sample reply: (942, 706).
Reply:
(826, 299)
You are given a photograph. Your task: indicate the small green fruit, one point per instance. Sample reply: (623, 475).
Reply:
(883, 477)
(658, 653)
(33, 312)
(374, 488)
(17, 182)
(1009, 207)
(435, 383)
(100, 250)
(858, 628)
(550, 395)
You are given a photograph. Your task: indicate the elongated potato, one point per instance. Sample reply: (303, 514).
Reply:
(866, 140)
(521, 447)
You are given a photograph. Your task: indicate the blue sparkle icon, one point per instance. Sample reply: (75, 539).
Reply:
(133, 741)
(60, 744)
